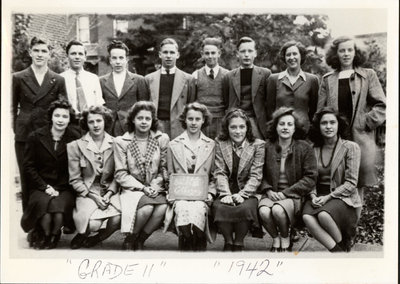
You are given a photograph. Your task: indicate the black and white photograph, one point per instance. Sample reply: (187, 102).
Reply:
(199, 142)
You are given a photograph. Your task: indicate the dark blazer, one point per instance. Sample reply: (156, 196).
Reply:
(300, 168)
(302, 96)
(231, 93)
(133, 90)
(45, 166)
(30, 101)
(369, 112)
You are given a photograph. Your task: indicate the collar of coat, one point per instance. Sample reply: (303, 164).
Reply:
(357, 70)
(91, 145)
(129, 136)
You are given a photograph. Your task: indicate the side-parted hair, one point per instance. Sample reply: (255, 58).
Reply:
(74, 42)
(61, 103)
(212, 41)
(235, 113)
(36, 40)
(96, 109)
(302, 50)
(315, 131)
(169, 40)
(332, 58)
(299, 132)
(197, 107)
(136, 108)
(244, 40)
(117, 44)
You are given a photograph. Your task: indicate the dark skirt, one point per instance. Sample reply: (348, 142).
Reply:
(145, 200)
(247, 211)
(344, 216)
(41, 203)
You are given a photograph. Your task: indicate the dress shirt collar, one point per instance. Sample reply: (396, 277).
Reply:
(239, 149)
(171, 71)
(215, 69)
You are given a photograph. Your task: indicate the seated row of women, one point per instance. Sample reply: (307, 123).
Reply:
(98, 184)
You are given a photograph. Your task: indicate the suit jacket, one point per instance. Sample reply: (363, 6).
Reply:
(369, 112)
(133, 90)
(30, 101)
(249, 174)
(231, 93)
(302, 96)
(42, 165)
(344, 172)
(82, 168)
(180, 96)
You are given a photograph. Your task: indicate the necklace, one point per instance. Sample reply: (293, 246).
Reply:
(330, 160)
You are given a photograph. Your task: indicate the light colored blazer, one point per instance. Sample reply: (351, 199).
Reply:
(369, 112)
(250, 169)
(180, 96)
(127, 171)
(344, 172)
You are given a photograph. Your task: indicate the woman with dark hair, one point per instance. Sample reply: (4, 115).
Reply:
(141, 170)
(238, 160)
(290, 172)
(293, 87)
(51, 198)
(330, 214)
(192, 153)
(91, 174)
(356, 93)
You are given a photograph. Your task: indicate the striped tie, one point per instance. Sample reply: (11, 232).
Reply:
(80, 95)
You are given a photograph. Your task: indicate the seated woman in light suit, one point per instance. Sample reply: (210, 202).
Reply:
(91, 174)
(239, 162)
(192, 153)
(141, 170)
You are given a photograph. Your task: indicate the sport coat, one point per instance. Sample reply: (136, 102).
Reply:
(133, 90)
(30, 100)
(250, 168)
(369, 112)
(231, 93)
(180, 96)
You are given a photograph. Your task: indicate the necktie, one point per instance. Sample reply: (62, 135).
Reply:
(80, 95)
(211, 75)
(167, 71)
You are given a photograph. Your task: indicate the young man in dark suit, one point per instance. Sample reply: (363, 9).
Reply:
(121, 88)
(245, 87)
(33, 90)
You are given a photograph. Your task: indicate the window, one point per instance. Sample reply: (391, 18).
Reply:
(83, 30)
(120, 26)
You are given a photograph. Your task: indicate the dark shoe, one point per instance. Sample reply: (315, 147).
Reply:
(228, 247)
(92, 241)
(336, 248)
(129, 242)
(77, 241)
(41, 242)
(199, 243)
(283, 249)
(186, 243)
(238, 247)
(52, 243)
(33, 237)
(294, 235)
(274, 249)
(141, 239)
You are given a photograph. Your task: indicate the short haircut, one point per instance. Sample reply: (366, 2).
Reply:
(244, 40)
(36, 40)
(136, 108)
(197, 107)
(332, 59)
(299, 132)
(212, 41)
(302, 50)
(235, 113)
(169, 40)
(117, 44)
(315, 131)
(61, 103)
(96, 109)
(74, 42)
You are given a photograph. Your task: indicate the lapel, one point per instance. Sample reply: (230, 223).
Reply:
(46, 140)
(30, 80)
(109, 84)
(333, 85)
(82, 144)
(179, 83)
(155, 87)
(356, 86)
(205, 151)
(48, 83)
(108, 152)
(178, 150)
(128, 83)
(236, 82)
(338, 156)
(226, 149)
(255, 81)
(247, 154)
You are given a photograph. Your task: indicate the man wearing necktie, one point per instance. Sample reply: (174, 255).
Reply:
(83, 87)
(121, 88)
(206, 85)
(245, 87)
(169, 89)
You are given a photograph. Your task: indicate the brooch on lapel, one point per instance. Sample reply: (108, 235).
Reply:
(52, 81)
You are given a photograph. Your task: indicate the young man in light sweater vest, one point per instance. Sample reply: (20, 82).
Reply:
(206, 84)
